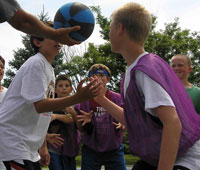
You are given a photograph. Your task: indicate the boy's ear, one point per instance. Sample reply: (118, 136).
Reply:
(190, 69)
(120, 26)
(108, 78)
(37, 42)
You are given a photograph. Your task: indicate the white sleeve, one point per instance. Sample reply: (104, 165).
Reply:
(153, 94)
(33, 84)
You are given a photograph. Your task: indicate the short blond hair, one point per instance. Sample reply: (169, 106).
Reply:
(187, 58)
(135, 18)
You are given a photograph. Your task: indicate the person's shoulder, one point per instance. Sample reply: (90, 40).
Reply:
(35, 60)
(115, 96)
(196, 88)
(114, 93)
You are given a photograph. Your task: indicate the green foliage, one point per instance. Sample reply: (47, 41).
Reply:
(126, 143)
(174, 40)
(103, 22)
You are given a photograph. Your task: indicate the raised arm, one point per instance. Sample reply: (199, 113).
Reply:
(29, 24)
(114, 110)
(83, 94)
(62, 117)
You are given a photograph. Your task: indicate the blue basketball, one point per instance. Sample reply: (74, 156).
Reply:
(75, 14)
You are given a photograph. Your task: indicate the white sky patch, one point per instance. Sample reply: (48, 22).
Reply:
(10, 39)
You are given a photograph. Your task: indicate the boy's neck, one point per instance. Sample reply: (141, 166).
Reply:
(1, 87)
(186, 84)
(132, 52)
(48, 58)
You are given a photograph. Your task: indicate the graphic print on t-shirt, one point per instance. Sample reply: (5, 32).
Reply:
(99, 111)
(50, 90)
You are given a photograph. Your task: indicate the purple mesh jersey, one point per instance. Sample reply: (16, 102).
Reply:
(104, 137)
(144, 131)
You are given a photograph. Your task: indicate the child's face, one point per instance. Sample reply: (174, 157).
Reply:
(113, 37)
(1, 70)
(103, 77)
(181, 67)
(63, 88)
(49, 47)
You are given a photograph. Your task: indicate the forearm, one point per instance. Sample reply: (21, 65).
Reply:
(63, 118)
(169, 148)
(170, 138)
(49, 105)
(29, 24)
(44, 145)
(114, 110)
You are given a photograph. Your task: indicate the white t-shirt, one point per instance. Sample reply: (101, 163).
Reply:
(22, 129)
(2, 94)
(154, 95)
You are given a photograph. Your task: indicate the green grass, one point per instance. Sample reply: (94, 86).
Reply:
(130, 160)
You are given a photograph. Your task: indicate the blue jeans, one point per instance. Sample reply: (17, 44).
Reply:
(59, 162)
(112, 160)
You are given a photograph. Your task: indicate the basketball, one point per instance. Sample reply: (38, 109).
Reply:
(75, 14)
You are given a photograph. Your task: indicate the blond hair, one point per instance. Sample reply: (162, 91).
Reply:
(135, 19)
(187, 58)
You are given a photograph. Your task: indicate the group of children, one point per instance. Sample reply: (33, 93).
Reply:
(154, 106)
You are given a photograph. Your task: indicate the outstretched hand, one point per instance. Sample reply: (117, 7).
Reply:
(119, 125)
(55, 139)
(92, 89)
(70, 110)
(85, 117)
(63, 35)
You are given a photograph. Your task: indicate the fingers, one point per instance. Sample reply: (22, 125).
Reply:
(55, 140)
(114, 123)
(75, 28)
(95, 87)
(58, 143)
(53, 135)
(63, 35)
(84, 117)
(81, 83)
(44, 163)
(118, 125)
(91, 112)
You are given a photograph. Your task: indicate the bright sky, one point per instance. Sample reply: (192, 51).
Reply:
(165, 10)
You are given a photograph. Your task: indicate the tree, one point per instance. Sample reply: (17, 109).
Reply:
(22, 54)
(166, 43)
(174, 40)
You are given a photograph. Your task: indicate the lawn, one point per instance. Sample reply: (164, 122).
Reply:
(130, 160)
